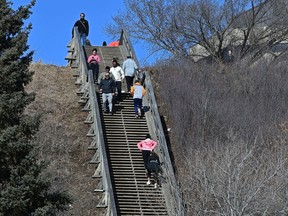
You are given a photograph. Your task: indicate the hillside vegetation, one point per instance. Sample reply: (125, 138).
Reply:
(62, 137)
(228, 134)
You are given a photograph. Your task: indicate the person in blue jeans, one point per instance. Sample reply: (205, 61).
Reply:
(107, 88)
(138, 91)
(83, 28)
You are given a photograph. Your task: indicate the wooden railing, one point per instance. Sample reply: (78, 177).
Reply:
(170, 188)
(125, 41)
(76, 59)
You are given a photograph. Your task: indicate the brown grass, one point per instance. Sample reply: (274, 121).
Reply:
(62, 136)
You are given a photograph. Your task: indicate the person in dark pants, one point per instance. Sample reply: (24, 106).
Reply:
(83, 28)
(153, 166)
(146, 146)
(102, 75)
(138, 91)
(118, 74)
(107, 88)
(129, 68)
(93, 61)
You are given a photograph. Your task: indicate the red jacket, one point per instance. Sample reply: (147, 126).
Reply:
(147, 144)
(114, 44)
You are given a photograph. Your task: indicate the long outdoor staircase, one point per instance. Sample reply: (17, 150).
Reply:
(120, 168)
(122, 131)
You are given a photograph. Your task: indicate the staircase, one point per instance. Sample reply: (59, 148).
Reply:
(106, 54)
(122, 132)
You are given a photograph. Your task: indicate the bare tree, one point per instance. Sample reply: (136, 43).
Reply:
(208, 26)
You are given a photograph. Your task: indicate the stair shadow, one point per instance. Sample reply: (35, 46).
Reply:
(166, 134)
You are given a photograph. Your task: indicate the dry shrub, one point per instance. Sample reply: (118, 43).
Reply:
(228, 135)
(237, 178)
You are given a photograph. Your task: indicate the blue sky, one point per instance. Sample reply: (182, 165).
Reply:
(53, 20)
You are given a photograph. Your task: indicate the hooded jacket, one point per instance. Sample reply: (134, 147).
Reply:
(147, 144)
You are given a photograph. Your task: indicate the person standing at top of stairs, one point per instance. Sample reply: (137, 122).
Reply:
(93, 61)
(118, 74)
(83, 28)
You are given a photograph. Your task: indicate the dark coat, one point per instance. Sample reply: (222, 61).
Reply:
(107, 85)
(83, 26)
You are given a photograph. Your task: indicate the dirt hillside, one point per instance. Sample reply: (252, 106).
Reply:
(62, 136)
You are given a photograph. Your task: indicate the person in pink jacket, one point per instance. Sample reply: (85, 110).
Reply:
(93, 61)
(146, 146)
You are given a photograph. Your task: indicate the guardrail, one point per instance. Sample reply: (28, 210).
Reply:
(170, 188)
(77, 60)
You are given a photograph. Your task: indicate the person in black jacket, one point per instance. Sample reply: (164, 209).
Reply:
(83, 28)
(107, 87)
(153, 166)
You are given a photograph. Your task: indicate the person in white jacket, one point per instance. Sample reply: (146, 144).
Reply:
(118, 74)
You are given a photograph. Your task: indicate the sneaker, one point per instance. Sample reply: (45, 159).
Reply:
(155, 186)
(148, 182)
(111, 113)
(136, 116)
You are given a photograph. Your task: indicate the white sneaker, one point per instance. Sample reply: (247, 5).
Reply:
(148, 182)
(155, 186)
